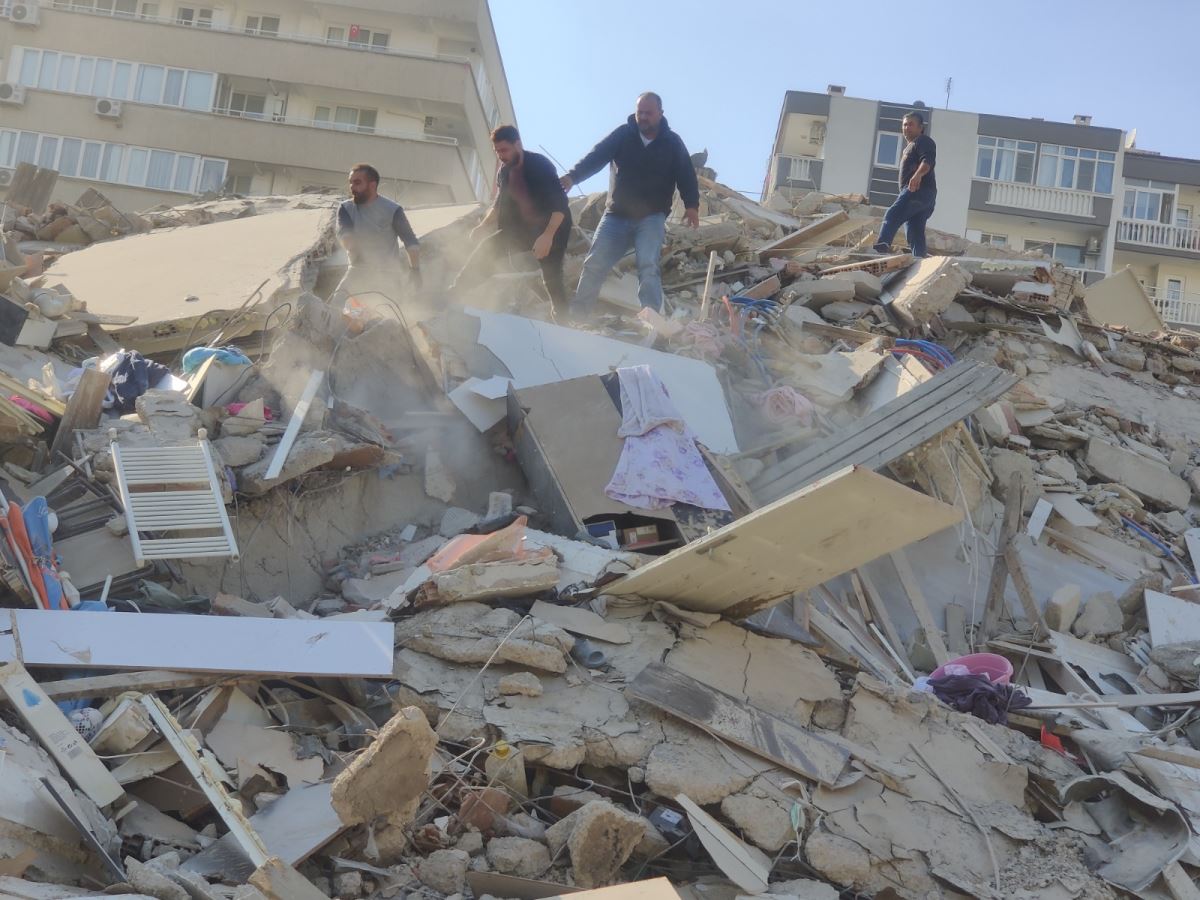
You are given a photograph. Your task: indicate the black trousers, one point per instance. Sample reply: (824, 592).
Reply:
(494, 252)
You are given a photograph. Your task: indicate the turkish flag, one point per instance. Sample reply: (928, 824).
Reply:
(354, 30)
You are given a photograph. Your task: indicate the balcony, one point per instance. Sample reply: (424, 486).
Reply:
(1159, 236)
(1041, 199)
(1176, 308)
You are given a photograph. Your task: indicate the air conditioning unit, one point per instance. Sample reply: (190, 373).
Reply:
(24, 14)
(6, 177)
(108, 109)
(12, 94)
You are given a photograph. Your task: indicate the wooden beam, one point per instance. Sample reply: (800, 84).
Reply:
(143, 682)
(881, 613)
(801, 236)
(83, 409)
(736, 721)
(293, 426)
(995, 606)
(916, 597)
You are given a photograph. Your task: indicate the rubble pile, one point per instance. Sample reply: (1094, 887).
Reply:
(292, 610)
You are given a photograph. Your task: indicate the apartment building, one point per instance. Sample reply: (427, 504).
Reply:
(1077, 191)
(150, 101)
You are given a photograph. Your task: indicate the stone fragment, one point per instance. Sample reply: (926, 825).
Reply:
(456, 520)
(1036, 366)
(470, 843)
(932, 285)
(471, 633)
(1101, 616)
(490, 581)
(168, 415)
(1063, 608)
(1186, 364)
(248, 420)
(524, 684)
(1149, 479)
(1060, 467)
(803, 889)
(1006, 463)
(838, 859)
(237, 451)
(348, 885)
(1194, 481)
(1180, 661)
(148, 881)
(845, 310)
(439, 483)
(1127, 356)
(762, 820)
(310, 450)
(599, 837)
(390, 776)
(518, 856)
(692, 769)
(445, 870)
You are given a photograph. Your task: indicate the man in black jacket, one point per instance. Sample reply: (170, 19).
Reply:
(918, 189)
(651, 161)
(531, 214)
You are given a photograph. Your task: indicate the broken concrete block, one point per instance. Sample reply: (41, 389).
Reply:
(237, 451)
(822, 291)
(1060, 467)
(801, 315)
(1150, 480)
(248, 420)
(470, 843)
(445, 870)
(762, 820)
(1063, 608)
(469, 633)
(439, 483)
(308, 452)
(1127, 356)
(168, 415)
(1180, 661)
(692, 769)
(1101, 616)
(932, 285)
(488, 581)
(389, 777)
(524, 684)
(1006, 463)
(866, 285)
(845, 310)
(456, 520)
(600, 837)
(518, 856)
(148, 881)
(349, 885)
(803, 889)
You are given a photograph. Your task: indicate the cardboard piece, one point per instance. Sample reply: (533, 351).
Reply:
(826, 529)
(746, 866)
(187, 643)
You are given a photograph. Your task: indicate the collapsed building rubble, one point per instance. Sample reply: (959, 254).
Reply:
(293, 610)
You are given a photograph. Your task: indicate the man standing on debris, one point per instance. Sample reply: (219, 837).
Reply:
(651, 161)
(531, 215)
(368, 227)
(918, 189)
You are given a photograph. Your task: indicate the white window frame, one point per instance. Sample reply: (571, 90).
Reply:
(879, 148)
(329, 119)
(1167, 195)
(1183, 216)
(993, 240)
(1177, 292)
(258, 29)
(369, 44)
(1054, 245)
(1059, 166)
(197, 16)
(998, 147)
(243, 112)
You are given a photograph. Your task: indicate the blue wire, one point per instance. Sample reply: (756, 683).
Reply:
(1129, 523)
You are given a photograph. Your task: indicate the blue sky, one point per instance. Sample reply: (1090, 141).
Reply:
(575, 68)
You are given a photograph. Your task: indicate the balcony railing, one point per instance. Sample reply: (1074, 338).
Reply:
(1040, 199)
(1157, 234)
(796, 168)
(334, 126)
(1176, 307)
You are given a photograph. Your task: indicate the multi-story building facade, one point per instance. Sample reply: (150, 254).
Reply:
(1077, 191)
(153, 100)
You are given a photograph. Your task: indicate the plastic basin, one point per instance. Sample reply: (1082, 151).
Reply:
(997, 669)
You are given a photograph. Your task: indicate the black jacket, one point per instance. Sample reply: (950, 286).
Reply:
(647, 175)
(544, 190)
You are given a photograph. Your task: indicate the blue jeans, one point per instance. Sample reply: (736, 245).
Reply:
(614, 237)
(912, 210)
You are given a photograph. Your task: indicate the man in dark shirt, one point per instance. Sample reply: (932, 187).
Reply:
(531, 215)
(369, 226)
(918, 189)
(651, 162)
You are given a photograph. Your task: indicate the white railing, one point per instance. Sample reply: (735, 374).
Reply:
(334, 126)
(1041, 199)
(798, 168)
(1156, 234)
(1176, 308)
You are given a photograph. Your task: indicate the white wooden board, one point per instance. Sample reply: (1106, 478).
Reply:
(747, 867)
(100, 640)
(1173, 620)
(540, 353)
(830, 527)
(1073, 511)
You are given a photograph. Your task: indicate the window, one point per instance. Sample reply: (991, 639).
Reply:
(66, 73)
(198, 90)
(212, 175)
(346, 118)
(48, 73)
(993, 240)
(240, 184)
(252, 106)
(90, 167)
(1001, 159)
(1076, 169)
(122, 74)
(887, 149)
(29, 67)
(268, 25)
(83, 75)
(150, 84)
(103, 78)
(194, 16)
(1183, 216)
(117, 79)
(1067, 254)
(173, 92)
(335, 34)
(47, 152)
(357, 36)
(135, 172)
(1149, 201)
(110, 163)
(1174, 288)
(185, 170)
(68, 159)
(149, 11)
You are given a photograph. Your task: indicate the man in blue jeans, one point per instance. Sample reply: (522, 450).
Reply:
(918, 189)
(651, 161)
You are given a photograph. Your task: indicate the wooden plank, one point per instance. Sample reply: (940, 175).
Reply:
(892, 430)
(747, 867)
(279, 881)
(106, 345)
(876, 266)
(1067, 506)
(837, 524)
(83, 410)
(880, 611)
(1179, 883)
(1192, 538)
(801, 236)
(995, 606)
(581, 621)
(1016, 571)
(916, 598)
(1121, 701)
(497, 885)
(781, 742)
(144, 682)
(58, 735)
(188, 643)
(293, 426)
(956, 629)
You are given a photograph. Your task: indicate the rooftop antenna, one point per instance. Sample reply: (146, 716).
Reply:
(949, 84)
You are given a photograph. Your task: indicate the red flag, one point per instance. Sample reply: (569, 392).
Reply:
(354, 30)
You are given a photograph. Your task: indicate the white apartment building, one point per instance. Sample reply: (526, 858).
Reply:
(1077, 191)
(150, 101)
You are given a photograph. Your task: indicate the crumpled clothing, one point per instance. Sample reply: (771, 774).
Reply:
(706, 340)
(132, 375)
(194, 358)
(660, 463)
(785, 404)
(977, 695)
